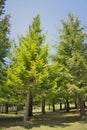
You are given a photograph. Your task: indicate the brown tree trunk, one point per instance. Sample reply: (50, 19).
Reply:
(67, 105)
(6, 108)
(60, 106)
(16, 111)
(49, 107)
(43, 105)
(28, 107)
(75, 104)
(77, 101)
(81, 105)
(30, 113)
(84, 104)
(2, 109)
(53, 104)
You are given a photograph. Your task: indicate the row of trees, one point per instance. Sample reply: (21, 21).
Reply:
(32, 77)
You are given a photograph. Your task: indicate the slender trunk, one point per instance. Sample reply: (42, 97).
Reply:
(60, 106)
(49, 107)
(16, 111)
(6, 108)
(53, 104)
(0, 108)
(81, 104)
(43, 105)
(67, 105)
(28, 107)
(30, 113)
(75, 104)
(84, 104)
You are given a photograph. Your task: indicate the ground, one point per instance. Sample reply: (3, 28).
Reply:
(49, 121)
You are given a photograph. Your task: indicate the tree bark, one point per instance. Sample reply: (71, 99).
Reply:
(43, 105)
(53, 104)
(49, 107)
(2, 109)
(84, 104)
(77, 101)
(81, 105)
(30, 113)
(6, 108)
(75, 104)
(28, 107)
(67, 105)
(16, 111)
(60, 106)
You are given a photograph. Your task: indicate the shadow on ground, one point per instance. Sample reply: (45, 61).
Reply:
(51, 119)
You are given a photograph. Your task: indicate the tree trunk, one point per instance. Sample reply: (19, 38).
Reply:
(67, 105)
(75, 104)
(84, 104)
(16, 109)
(43, 105)
(81, 104)
(6, 108)
(2, 109)
(30, 113)
(53, 104)
(49, 107)
(28, 107)
(60, 106)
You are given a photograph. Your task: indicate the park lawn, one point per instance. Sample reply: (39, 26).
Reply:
(50, 121)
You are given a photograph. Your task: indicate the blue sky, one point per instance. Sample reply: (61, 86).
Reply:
(51, 12)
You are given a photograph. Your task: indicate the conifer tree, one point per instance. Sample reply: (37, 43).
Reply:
(30, 65)
(4, 49)
(72, 54)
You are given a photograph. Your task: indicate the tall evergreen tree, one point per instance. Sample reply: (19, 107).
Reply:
(4, 46)
(30, 65)
(72, 54)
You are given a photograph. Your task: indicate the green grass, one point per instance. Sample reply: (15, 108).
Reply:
(50, 121)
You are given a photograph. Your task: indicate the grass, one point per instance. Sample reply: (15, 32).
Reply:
(50, 121)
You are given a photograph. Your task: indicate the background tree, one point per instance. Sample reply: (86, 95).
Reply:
(72, 54)
(4, 49)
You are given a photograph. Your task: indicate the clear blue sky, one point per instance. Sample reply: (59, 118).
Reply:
(51, 12)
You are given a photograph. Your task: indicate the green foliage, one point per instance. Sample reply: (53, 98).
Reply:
(4, 39)
(71, 59)
(2, 6)
(29, 69)
(4, 50)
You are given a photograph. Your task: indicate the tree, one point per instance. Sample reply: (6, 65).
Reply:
(72, 54)
(4, 39)
(4, 47)
(30, 64)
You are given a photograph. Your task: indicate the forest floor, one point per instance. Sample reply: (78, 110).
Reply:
(58, 120)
